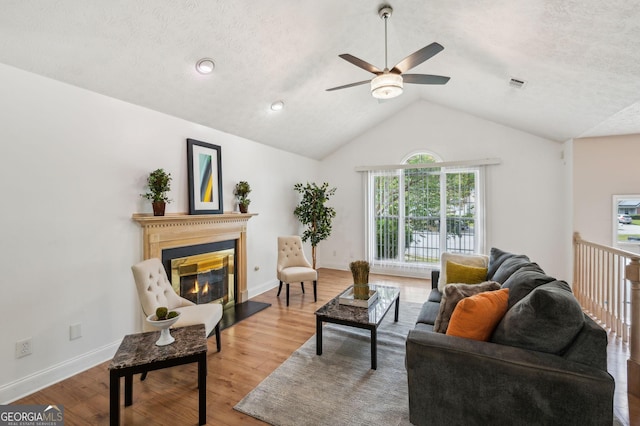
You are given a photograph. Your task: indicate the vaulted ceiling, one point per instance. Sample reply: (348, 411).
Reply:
(579, 60)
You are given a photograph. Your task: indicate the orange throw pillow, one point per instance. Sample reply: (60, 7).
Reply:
(476, 317)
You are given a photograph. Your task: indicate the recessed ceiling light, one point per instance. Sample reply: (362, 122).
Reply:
(205, 66)
(277, 106)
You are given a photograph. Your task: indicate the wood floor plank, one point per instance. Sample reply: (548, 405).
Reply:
(251, 350)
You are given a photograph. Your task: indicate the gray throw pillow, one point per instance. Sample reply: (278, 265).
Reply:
(509, 266)
(546, 320)
(523, 281)
(496, 257)
(453, 293)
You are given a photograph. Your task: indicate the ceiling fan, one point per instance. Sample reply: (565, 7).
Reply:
(388, 83)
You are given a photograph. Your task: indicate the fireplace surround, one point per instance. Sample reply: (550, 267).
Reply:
(183, 230)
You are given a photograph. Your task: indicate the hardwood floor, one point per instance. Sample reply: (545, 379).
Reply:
(251, 350)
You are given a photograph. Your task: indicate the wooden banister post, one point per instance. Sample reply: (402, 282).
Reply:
(576, 283)
(632, 273)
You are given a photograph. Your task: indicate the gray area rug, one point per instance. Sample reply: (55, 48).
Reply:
(339, 387)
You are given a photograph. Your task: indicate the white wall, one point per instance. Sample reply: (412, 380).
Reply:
(526, 195)
(72, 165)
(603, 167)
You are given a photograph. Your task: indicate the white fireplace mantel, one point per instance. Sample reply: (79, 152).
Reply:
(181, 230)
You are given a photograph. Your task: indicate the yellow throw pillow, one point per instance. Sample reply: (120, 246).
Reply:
(465, 274)
(475, 317)
(479, 260)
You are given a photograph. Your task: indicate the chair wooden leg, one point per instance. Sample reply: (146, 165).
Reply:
(315, 291)
(279, 289)
(218, 341)
(287, 294)
(302, 284)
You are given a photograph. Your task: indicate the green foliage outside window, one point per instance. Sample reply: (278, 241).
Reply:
(420, 197)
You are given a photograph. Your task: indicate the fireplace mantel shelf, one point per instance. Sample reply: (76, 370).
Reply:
(145, 219)
(182, 229)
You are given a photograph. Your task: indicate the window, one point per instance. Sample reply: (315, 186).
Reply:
(626, 212)
(420, 209)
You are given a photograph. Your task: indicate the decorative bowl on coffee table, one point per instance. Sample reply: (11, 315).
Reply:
(165, 336)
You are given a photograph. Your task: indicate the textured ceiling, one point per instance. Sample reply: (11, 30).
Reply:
(579, 59)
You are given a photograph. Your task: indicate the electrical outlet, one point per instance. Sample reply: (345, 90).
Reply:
(75, 331)
(23, 348)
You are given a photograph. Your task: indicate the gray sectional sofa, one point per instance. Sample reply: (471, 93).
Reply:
(545, 363)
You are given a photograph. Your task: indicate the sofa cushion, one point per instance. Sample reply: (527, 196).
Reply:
(479, 260)
(435, 296)
(496, 258)
(588, 346)
(465, 274)
(523, 281)
(453, 293)
(476, 316)
(509, 267)
(546, 320)
(428, 313)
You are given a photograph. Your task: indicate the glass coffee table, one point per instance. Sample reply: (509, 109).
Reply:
(353, 316)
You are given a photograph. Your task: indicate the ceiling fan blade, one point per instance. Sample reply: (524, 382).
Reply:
(416, 58)
(349, 85)
(360, 63)
(424, 79)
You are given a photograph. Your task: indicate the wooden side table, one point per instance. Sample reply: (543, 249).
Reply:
(138, 353)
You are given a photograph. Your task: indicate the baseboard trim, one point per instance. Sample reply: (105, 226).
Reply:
(41, 379)
(400, 272)
(255, 291)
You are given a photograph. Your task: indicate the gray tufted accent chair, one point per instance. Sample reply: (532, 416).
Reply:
(293, 266)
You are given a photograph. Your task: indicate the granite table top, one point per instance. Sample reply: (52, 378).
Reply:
(140, 348)
(372, 315)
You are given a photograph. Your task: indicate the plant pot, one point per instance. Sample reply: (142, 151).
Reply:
(243, 208)
(158, 208)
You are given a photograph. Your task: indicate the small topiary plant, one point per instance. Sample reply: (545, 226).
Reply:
(241, 191)
(159, 183)
(163, 313)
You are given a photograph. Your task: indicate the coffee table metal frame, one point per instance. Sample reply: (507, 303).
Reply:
(364, 318)
(138, 354)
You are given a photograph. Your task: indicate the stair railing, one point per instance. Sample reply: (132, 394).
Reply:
(600, 284)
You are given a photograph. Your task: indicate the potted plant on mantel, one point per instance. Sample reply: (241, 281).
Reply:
(159, 183)
(241, 191)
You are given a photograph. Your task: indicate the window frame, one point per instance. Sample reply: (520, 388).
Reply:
(418, 268)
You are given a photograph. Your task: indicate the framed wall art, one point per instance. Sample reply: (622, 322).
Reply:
(204, 166)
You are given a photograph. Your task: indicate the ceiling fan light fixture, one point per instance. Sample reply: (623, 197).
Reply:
(205, 66)
(386, 86)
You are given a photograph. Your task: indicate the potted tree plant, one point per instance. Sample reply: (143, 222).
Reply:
(159, 184)
(314, 214)
(241, 191)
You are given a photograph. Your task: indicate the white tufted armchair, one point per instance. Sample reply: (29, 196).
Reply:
(293, 266)
(154, 290)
